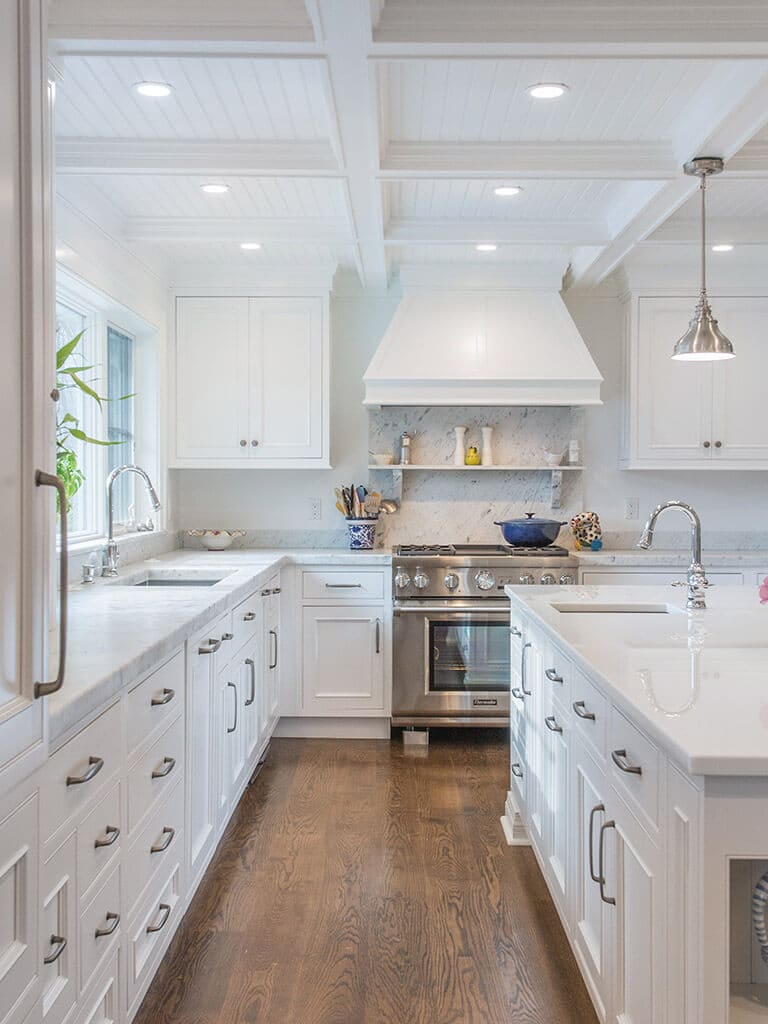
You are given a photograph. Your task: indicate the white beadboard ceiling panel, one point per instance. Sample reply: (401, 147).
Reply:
(213, 98)
(609, 100)
(505, 255)
(164, 195)
(281, 254)
(728, 200)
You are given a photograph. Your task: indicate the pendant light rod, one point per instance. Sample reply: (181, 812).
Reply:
(703, 188)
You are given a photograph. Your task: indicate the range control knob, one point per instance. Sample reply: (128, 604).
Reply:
(527, 579)
(402, 579)
(451, 581)
(548, 579)
(485, 580)
(566, 579)
(420, 578)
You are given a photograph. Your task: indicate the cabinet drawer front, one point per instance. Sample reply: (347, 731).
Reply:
(94, 755)
(100, 925)
(518, 777)
(338, 586)
(588, 701)
(99, 836)
(247, 618)
(19, 893)
(59, 932)
(102, 1004)
(155, 844)
(152, 928)
(634, 763)
(557, 673)
(156, 772)
(155, 700)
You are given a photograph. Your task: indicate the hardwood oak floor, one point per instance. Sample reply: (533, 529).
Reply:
(359, 884)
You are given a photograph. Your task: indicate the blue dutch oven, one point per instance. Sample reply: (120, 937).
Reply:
(530, 532)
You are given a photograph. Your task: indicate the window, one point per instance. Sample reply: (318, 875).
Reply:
(111, 344)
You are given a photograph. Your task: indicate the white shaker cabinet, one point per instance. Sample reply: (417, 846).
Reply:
(251, 382)
(343, 664)
(694, 415)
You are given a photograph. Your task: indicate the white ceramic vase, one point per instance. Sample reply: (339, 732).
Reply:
(486, 456)
(458, 452)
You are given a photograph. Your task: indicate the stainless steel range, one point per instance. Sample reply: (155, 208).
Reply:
(451, 636)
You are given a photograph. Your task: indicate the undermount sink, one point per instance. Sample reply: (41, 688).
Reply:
(168, 578)
(615, 609)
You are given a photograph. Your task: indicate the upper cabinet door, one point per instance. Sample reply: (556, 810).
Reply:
(671, 405)
(286, 380)
(739, 431)
(212, 378)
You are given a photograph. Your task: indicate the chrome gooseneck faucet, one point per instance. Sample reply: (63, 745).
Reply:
(697, 581)
(111, 551)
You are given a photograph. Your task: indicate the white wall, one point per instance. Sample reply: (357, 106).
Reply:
(279, 499)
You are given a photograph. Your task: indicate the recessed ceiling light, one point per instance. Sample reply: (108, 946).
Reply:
(547, 90)
(156, 90)
(215, 189)
(486, 247)
(723, 247)
(507, 190)
(250, 246)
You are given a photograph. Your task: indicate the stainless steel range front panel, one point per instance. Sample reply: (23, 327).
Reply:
(451, 663)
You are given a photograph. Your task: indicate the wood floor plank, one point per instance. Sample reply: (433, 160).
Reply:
(359, 884)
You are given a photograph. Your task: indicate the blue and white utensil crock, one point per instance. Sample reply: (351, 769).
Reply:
(362, 534)
(759, 902)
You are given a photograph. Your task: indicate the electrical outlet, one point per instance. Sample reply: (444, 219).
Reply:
(315, 508)
(631, 508)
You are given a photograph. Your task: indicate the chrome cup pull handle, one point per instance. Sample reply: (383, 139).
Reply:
(249, 616)
(211, 645)
(95, 766)
(552, 675)
(111, 835)
(49, 480)
(164, 843)
(166, 698)
(551, 723)
(169, 763)
(619, 758)
(581, 710)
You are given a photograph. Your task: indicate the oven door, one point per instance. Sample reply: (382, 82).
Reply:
(451, 662)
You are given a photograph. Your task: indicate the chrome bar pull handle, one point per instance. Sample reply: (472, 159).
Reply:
(517, 693)
(610, 900)
(551, 723)
(249, 616)
(111, 835)
(49, 480)
(619, 758)
(211, 645)
(165, 912)
(167, 697)
(164, 843)
(234, 726)
(552, 675)
(252, 666)
(169, 763)
(273, 635)
(378, 636)
(515, 631)
(517, 771)
(95, 764)
(528, 693)
(597, 809)
(110, 929)
(344, 586)
(581, 710)
(60, 944)
(227, 636)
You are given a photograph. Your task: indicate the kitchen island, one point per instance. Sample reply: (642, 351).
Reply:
(639, 775)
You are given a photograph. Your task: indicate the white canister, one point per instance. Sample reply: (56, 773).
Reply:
(486, 457)
(458, 451)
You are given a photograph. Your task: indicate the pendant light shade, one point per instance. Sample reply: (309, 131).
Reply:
(703, 340)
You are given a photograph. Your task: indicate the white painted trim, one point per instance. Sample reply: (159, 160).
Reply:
(515, 831)
(335, 728)
(429, 231)
(313, 230)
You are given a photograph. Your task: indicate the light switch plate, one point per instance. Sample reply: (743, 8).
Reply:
(631, 508)
(315, 508)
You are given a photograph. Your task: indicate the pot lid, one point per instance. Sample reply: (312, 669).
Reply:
(531, 519)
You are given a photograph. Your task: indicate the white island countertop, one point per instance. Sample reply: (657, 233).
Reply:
(696, 682)
(118, 631)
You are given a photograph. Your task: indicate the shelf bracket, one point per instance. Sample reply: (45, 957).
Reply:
(557, 487)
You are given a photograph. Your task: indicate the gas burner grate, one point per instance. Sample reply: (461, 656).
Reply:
(425, 549)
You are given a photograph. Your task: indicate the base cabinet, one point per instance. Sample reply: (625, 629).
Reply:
(343, 659)
(19, 964)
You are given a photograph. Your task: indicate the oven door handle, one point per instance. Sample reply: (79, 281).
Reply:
(502, 614)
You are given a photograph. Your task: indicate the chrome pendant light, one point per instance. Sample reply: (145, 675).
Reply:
(703, 340)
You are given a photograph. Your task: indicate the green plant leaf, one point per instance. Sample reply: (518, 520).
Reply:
(82, 436)
(86, 388)
(66, 350)
(75, 369)
(69, 418)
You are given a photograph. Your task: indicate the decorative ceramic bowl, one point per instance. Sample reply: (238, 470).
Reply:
(554, 458)
(382, 458)
(216, 540)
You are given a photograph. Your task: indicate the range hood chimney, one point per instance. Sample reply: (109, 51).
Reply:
(481, 347)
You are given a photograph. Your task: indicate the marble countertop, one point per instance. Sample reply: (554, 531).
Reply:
(658, 558)
(696, 682)
(118, 631)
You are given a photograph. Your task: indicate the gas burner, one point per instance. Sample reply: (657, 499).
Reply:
(551, 551)
(480, 551)
(425, 549)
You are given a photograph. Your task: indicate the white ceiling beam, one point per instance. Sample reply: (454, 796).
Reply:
(189, 156)
(738, 231)
(751, 162)
(346, 31)
(550, 160)
(235, 229)
(741, 112)
(529, 233)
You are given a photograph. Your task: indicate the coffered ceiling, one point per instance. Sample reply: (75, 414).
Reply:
(368, 135)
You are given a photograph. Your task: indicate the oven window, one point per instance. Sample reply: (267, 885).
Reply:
(468, 656)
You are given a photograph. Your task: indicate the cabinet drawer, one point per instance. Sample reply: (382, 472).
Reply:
(99, 837)
(155, 700)
(590, 713)
(58, 925)
(100, 927)
(634, 766)
(157, 842)
(152, 928)
(518, 774)
(93, 756)
(339, 585)
(246, 619)
(557, 673)
(102, 1004)
(156, 772)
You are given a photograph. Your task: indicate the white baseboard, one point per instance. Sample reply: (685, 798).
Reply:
(514, 830)
(334, 728)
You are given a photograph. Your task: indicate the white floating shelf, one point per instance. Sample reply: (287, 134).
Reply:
(474, 469)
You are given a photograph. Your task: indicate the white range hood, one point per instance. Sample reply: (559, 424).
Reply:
(478, 347)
